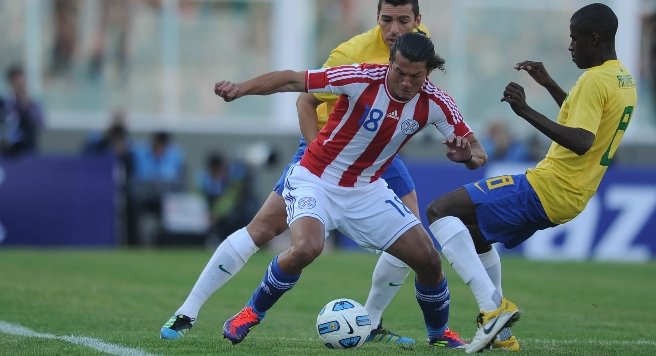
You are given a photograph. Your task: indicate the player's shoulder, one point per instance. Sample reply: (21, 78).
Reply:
(434, 93)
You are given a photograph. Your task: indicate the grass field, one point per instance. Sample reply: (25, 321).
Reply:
(62, 302)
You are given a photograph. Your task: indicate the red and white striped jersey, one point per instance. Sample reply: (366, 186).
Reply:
(368, 127)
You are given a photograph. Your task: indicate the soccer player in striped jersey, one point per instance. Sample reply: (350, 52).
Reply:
(395, 18)
(336, 184)
(509, 209)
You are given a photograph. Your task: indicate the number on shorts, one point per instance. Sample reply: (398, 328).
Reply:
(400, 203)
(615, 141)
(498, 182)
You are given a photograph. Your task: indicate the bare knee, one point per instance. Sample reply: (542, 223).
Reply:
(429, 268)
(437, 209)
(303, 253)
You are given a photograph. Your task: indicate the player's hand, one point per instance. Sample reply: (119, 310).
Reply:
(536, 70)
(458, 148)
(229, 91)
(514, 95)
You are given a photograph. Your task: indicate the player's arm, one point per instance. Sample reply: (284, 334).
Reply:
(306, 105)
(538, 72)
(574, 139)
(265, 84)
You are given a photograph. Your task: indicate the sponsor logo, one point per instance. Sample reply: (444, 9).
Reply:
(224, 270)
(392, 284)
(393, 115)
(349, 325)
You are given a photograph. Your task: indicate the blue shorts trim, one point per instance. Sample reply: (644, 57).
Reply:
(396, 174)
(280, 185)
(398, 178)
(507, 209)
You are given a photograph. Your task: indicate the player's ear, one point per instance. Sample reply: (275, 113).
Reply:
(418, 21)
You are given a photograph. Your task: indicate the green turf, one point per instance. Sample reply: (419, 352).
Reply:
(123, 298)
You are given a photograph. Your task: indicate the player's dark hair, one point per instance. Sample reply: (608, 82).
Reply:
(414, 3)
(596, 18)
(417, 48)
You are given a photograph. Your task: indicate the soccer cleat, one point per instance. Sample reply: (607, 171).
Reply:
(384, 336)
(512, 344)
(450, 339)
(490, 323)
(176, 327)
(237, 328)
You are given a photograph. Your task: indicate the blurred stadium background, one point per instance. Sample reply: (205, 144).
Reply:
(157, 61)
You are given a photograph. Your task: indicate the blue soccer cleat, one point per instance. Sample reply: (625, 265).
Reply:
(176, 327)
(384, 336)
(449, 339)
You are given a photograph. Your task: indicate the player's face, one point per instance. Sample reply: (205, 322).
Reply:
(580, 46)
(396, 21)
(405, 78)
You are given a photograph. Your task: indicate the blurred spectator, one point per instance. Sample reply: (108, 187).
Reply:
(500, 144)
(158, 169)
(65, 35)
(21, 118)
(228, 189)
(114, 27)
(113, 142)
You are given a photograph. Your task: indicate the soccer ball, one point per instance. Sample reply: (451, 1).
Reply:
(343, 323)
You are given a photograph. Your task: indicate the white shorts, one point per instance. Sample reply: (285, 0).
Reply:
(372, 216)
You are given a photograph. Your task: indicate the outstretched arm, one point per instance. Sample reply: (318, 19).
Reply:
(574, 139)
(306, 105)
(265, 84)
(537, 71)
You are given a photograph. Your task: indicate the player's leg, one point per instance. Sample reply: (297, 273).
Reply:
(231, 255)
(392, 227)
(307, 238)
(307, 217)
(390, 272)
(228, 259)
(416, 249)
(501, 209)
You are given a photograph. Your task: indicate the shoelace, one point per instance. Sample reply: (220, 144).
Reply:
(452, 335)
(245, 316)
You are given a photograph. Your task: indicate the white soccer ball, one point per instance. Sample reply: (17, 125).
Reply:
(343, 323)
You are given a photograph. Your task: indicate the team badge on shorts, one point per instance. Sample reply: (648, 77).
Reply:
(307, 203)
(409, 126)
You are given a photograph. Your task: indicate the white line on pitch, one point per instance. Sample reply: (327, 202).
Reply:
(96, 344)
(591, 342)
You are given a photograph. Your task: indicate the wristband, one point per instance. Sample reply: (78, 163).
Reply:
(467, 160)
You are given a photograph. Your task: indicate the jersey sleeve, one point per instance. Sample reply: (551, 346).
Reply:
(587, 100)
(446, 116)
(335, 80)
(338, 57)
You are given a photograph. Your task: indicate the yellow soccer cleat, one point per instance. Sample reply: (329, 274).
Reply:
(490, 323)
(512, 344)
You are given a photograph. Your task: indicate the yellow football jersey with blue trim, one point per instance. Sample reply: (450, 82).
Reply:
(601, 102)
(368, 47)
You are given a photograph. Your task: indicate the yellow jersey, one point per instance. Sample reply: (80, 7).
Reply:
(601, 102)
(368, 47)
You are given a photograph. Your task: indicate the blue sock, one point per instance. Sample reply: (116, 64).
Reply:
(274, 284)
(434, 303)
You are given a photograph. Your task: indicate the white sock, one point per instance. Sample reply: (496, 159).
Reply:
(458, 248)
(492, 263)
(227, 260)
(388, 276)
